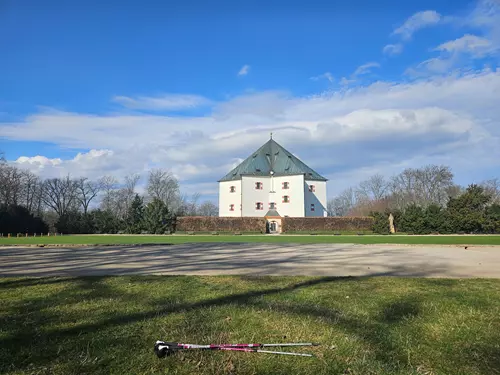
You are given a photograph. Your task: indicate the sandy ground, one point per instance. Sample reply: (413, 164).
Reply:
(254, 259)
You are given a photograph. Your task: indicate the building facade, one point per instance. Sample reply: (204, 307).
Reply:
(272, 183)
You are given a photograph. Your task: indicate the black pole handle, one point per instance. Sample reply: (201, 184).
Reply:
(164, 349)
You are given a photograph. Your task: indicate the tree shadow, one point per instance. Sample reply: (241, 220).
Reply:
(398, 311)
(377, 332)
(32, 281)
(229, 258)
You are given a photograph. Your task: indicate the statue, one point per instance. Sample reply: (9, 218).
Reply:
(391, 224)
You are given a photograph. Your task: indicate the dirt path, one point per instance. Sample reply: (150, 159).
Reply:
(255, 259)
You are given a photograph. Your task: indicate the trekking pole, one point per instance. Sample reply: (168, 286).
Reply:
(163, 349)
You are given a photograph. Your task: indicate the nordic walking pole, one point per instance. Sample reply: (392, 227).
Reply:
(264, 351)
(163, 349)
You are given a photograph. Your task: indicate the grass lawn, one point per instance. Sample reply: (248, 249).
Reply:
(108, 325)
(178, 239)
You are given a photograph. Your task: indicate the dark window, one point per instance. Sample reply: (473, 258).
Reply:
(272, 206)
(259, 206)
(232, 189)
(312, 206)
(312, 188)
(286, 199)
(231, 207)
(258, 185)
(286, 185)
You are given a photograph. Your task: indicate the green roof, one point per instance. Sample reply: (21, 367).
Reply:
(272, 157)
(272, 213)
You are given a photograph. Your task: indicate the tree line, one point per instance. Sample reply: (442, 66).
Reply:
(422, 201)
(30, 204)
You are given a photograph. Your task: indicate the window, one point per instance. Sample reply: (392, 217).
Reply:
(231, 207)
(232, 189)
(285, 185)
(312, 188)
(286, 199)
(272, 206)
(312, 206)
(259, 206)
(258, 185)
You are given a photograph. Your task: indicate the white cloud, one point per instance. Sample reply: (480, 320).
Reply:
(328, 76)
(366, 68)
(485, 20)
(393, 49)
(416, 22)
(355, 77)
(435, 65)
(244, 70)
(485, 16)
(39, 162)
(383, 125)
(468, 51)
(476, 46)
(166, 102)
(455, 54)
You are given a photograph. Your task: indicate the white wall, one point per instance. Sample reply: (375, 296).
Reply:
(295, 208)
(252, 195)
(247, 196)
(318, 198)
(226, 198)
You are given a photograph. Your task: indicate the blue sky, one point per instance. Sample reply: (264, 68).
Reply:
(353, 88)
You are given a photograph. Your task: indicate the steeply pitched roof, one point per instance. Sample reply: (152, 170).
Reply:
(272, 213)
(272, 157)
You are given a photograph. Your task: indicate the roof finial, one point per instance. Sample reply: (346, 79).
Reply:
(271, 135)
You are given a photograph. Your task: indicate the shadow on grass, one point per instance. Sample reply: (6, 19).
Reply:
(19, 283)
(398, 311)
(377, 332)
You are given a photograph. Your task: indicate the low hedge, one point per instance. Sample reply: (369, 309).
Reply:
(326, 224)
(220, 224)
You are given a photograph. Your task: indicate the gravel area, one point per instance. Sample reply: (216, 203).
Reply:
(255, 259)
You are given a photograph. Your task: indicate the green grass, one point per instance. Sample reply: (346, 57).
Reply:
(108, 325)
(179, 239)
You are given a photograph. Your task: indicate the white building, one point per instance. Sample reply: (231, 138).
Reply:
(272, 183)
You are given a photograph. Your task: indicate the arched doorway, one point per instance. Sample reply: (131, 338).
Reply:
(273, 227)
(273, 222)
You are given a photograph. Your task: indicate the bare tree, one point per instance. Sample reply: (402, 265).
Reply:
(129, 189)
(330, 207)
(190, 206)
(208, 208)
(343, 203)
(118, 199)
(60, 194)
(454, 191)
(118, 203)
(492, 187)
(108, 185)
(365, 208)
(164, 186)
(375, 188)
(430, 184)
(86, 191)
(11, 184)
(31, 191)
